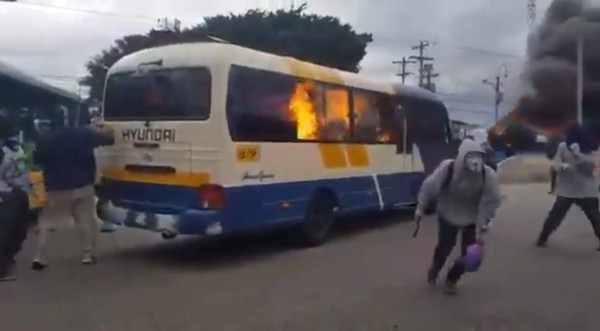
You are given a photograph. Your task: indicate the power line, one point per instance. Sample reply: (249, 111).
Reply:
(89, 11)
(454, 46)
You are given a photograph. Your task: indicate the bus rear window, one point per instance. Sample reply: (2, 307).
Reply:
(168, 95)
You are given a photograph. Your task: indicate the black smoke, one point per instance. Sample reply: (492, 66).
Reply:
(551, 69)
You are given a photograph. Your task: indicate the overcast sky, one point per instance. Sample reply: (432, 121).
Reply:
(471, 38)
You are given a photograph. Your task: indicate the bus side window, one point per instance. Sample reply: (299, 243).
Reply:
(336, 118)
(374, 118)
(258, 105)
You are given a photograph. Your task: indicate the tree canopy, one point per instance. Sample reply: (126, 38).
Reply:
(318, 39)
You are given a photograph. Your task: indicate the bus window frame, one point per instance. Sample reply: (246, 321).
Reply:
(202, 118)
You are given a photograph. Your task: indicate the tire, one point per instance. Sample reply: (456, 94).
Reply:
(319, 221)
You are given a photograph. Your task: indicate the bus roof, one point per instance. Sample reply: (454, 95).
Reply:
(416, 92)
(209, 53)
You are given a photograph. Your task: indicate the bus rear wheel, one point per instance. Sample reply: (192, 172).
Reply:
(319, 221)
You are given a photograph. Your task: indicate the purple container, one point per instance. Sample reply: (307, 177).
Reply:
(474, 257)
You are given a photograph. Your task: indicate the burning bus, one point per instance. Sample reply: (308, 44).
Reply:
(217, 139)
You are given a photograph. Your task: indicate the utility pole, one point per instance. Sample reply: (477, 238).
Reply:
(430, 74)
(404, 73)
(421, 59)
(531, 13)
(497, 84)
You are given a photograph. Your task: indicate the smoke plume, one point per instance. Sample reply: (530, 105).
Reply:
(551, 67)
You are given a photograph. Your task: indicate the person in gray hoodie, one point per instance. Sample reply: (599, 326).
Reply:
(576, 183)
(464, 193)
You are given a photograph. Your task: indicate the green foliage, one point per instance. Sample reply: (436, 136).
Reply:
(318, 39)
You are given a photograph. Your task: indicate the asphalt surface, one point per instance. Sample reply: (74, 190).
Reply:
(371, 276)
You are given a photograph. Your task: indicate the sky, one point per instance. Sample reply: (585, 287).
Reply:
(471, 40)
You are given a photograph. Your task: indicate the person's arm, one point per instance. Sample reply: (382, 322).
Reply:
(558, 161)
(431, 187)
(39, 154)
(101, 138)
(585, 163)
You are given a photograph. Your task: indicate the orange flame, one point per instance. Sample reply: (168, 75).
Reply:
(304, 112)
(338, 109)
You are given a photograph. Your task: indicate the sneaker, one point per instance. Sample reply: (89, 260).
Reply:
(108, 228)
(89, 259)
(38, 265)
(450, 289)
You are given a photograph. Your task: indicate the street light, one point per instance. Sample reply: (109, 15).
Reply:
(499, 96)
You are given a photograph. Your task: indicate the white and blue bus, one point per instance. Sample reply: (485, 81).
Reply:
(219, 139)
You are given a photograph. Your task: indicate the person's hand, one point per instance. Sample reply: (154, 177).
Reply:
(575, 148)
(418, 215)
(418, 218)
(479, 239)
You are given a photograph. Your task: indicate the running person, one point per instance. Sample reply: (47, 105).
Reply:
(465, 193)
(576, 183)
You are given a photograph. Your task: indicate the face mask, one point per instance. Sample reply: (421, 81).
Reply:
(474, 162)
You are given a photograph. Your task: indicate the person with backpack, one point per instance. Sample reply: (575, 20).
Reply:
(576, 183)
(15, 216)
(464, 193)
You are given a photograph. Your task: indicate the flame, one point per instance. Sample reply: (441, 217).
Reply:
(338, 108)
(303, 112)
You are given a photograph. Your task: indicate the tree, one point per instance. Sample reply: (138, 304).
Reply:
(318, 39)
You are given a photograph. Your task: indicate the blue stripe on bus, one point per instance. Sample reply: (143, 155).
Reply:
(256, 207)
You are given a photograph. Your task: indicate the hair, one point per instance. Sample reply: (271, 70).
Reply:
(577, 134)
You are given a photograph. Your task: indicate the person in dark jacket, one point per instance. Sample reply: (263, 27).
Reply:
(576, 183)
(66, 156)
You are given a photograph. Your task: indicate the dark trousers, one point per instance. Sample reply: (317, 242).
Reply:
(553, 175)
(559, 211)
(15, 220)
(447, 236)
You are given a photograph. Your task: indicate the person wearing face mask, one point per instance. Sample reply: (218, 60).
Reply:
(16, 216)
(576, 183)
(464, 193)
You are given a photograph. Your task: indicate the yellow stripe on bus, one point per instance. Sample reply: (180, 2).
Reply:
(187, 179)
(333, 156)
(358, 156)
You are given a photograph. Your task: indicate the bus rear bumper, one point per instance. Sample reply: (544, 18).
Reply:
(190, 222)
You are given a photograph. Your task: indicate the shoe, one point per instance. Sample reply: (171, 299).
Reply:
(89, 259)
(450, 289)
(541, 243)
(431, 278)
(108, 228)
(38, 265)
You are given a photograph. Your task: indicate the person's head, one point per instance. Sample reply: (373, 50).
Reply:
(576, 134)
(470, 158)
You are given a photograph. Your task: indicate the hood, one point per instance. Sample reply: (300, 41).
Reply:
(467, 146)
(480, 136)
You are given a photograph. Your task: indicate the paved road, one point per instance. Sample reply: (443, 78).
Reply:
(371, 277)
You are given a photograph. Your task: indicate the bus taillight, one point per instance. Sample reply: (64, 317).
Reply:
(211, 196)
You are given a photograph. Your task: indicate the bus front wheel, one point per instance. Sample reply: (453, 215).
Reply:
(319, 220)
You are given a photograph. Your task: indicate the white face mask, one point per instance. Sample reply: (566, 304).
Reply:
(474, 162)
